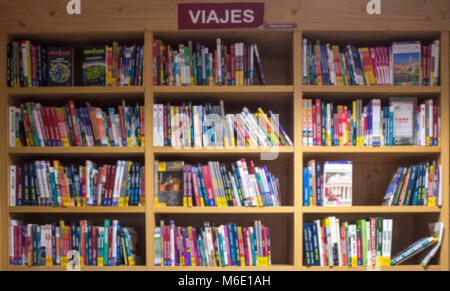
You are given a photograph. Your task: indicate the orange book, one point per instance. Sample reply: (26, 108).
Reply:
(405, 186)
(101, 127)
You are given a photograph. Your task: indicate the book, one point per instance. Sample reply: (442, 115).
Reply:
(77, 185)
(196, 64)
(60, 66)
(94, 66)
(169, 181)
(32, 124)
(417, 185)
(213, 245)
(328, 242)
(212, 185)
(337, 183)
(55, 244)
(400, 63)
(374, 123)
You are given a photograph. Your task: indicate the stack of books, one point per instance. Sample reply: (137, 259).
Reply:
(181, 184)
(56, 244)
(49, 183)
(402, 63)
(330, 185)
(36, 65)
(325, 124)
(417, 185)
(212, 246)
(195, 64)
(208, 125)
(32, 124)
(328, 242)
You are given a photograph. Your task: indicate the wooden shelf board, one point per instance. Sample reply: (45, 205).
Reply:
(98, 209)
(385, 149)
(224, 89)
(233, 268)
(75, 90)
(83, 268)
(383, 268)
(225, 210)
(372, 89)
(216, 150)
(76, 150)
(372, 209)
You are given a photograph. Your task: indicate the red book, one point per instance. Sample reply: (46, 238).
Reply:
(435, 125)
(161, 58)
(19, 186)
(109, 244)
(344, 246)
(318, 123)
(76, 130)
(314, 125)
(359, 248)
(45, 131)
(111, 184)
(208, 185)
(266, 243)
(48, 121)
(55, 125)
(34, 73)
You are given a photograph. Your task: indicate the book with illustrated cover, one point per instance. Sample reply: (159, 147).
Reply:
(406, 63)
(337, 183)
(94, 66)
(170, 187)
(60, 66)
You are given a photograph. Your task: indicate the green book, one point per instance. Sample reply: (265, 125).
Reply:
(379, 240)
(105, 243)
(361, 224)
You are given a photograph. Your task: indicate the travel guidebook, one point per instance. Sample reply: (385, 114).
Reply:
(406, 58)
(94, 66)
(60, 62)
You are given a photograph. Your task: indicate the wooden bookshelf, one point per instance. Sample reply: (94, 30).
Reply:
(282, 61)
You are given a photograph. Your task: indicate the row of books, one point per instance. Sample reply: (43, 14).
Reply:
(36, 65)
(182, 184)
(195, 64)
(401, 63)
(32, 124)
(113, 65)
(328, 242)
(328, 185)
(49, 183)
(82, 244)
(402, 122)
(417, 185)
(207, 125)
(223, 245)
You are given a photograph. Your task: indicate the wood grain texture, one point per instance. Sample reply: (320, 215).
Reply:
(137, 15)
(3, 157)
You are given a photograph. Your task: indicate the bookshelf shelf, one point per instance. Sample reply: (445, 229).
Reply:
(373, 150)
(265, 90)
(383, 268)
(83, 268)
(222, 151)
(271, 268)
(41, 209)
(76, 90)
(373, 209)
(372, 89)
(226, 210)
(89, 151)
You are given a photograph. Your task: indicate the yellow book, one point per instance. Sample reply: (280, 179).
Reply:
(29, 63)
(272, 135)
(108, 67)
(191, 244)
(115, 49)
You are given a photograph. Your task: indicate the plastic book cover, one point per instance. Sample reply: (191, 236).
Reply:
(170, 178)
(406, 60)
(338, 183)
(94, 66)
(60, 63)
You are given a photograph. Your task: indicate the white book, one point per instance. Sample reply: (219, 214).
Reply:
(172, 244)
(46, 184)
(114, 241)
(331, 65)
(369, 245)
(12, 185)
(245, 190)
(376, 122)
(161, 124)
(155, 125)
(117, 177)
(40, 185)
(251, 189)
(338, 183)
(353, 245)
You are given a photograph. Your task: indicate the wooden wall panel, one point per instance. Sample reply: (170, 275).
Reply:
(130, 15)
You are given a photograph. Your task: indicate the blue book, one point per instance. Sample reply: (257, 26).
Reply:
(305, 187)
(319, 184)
(315, 243)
